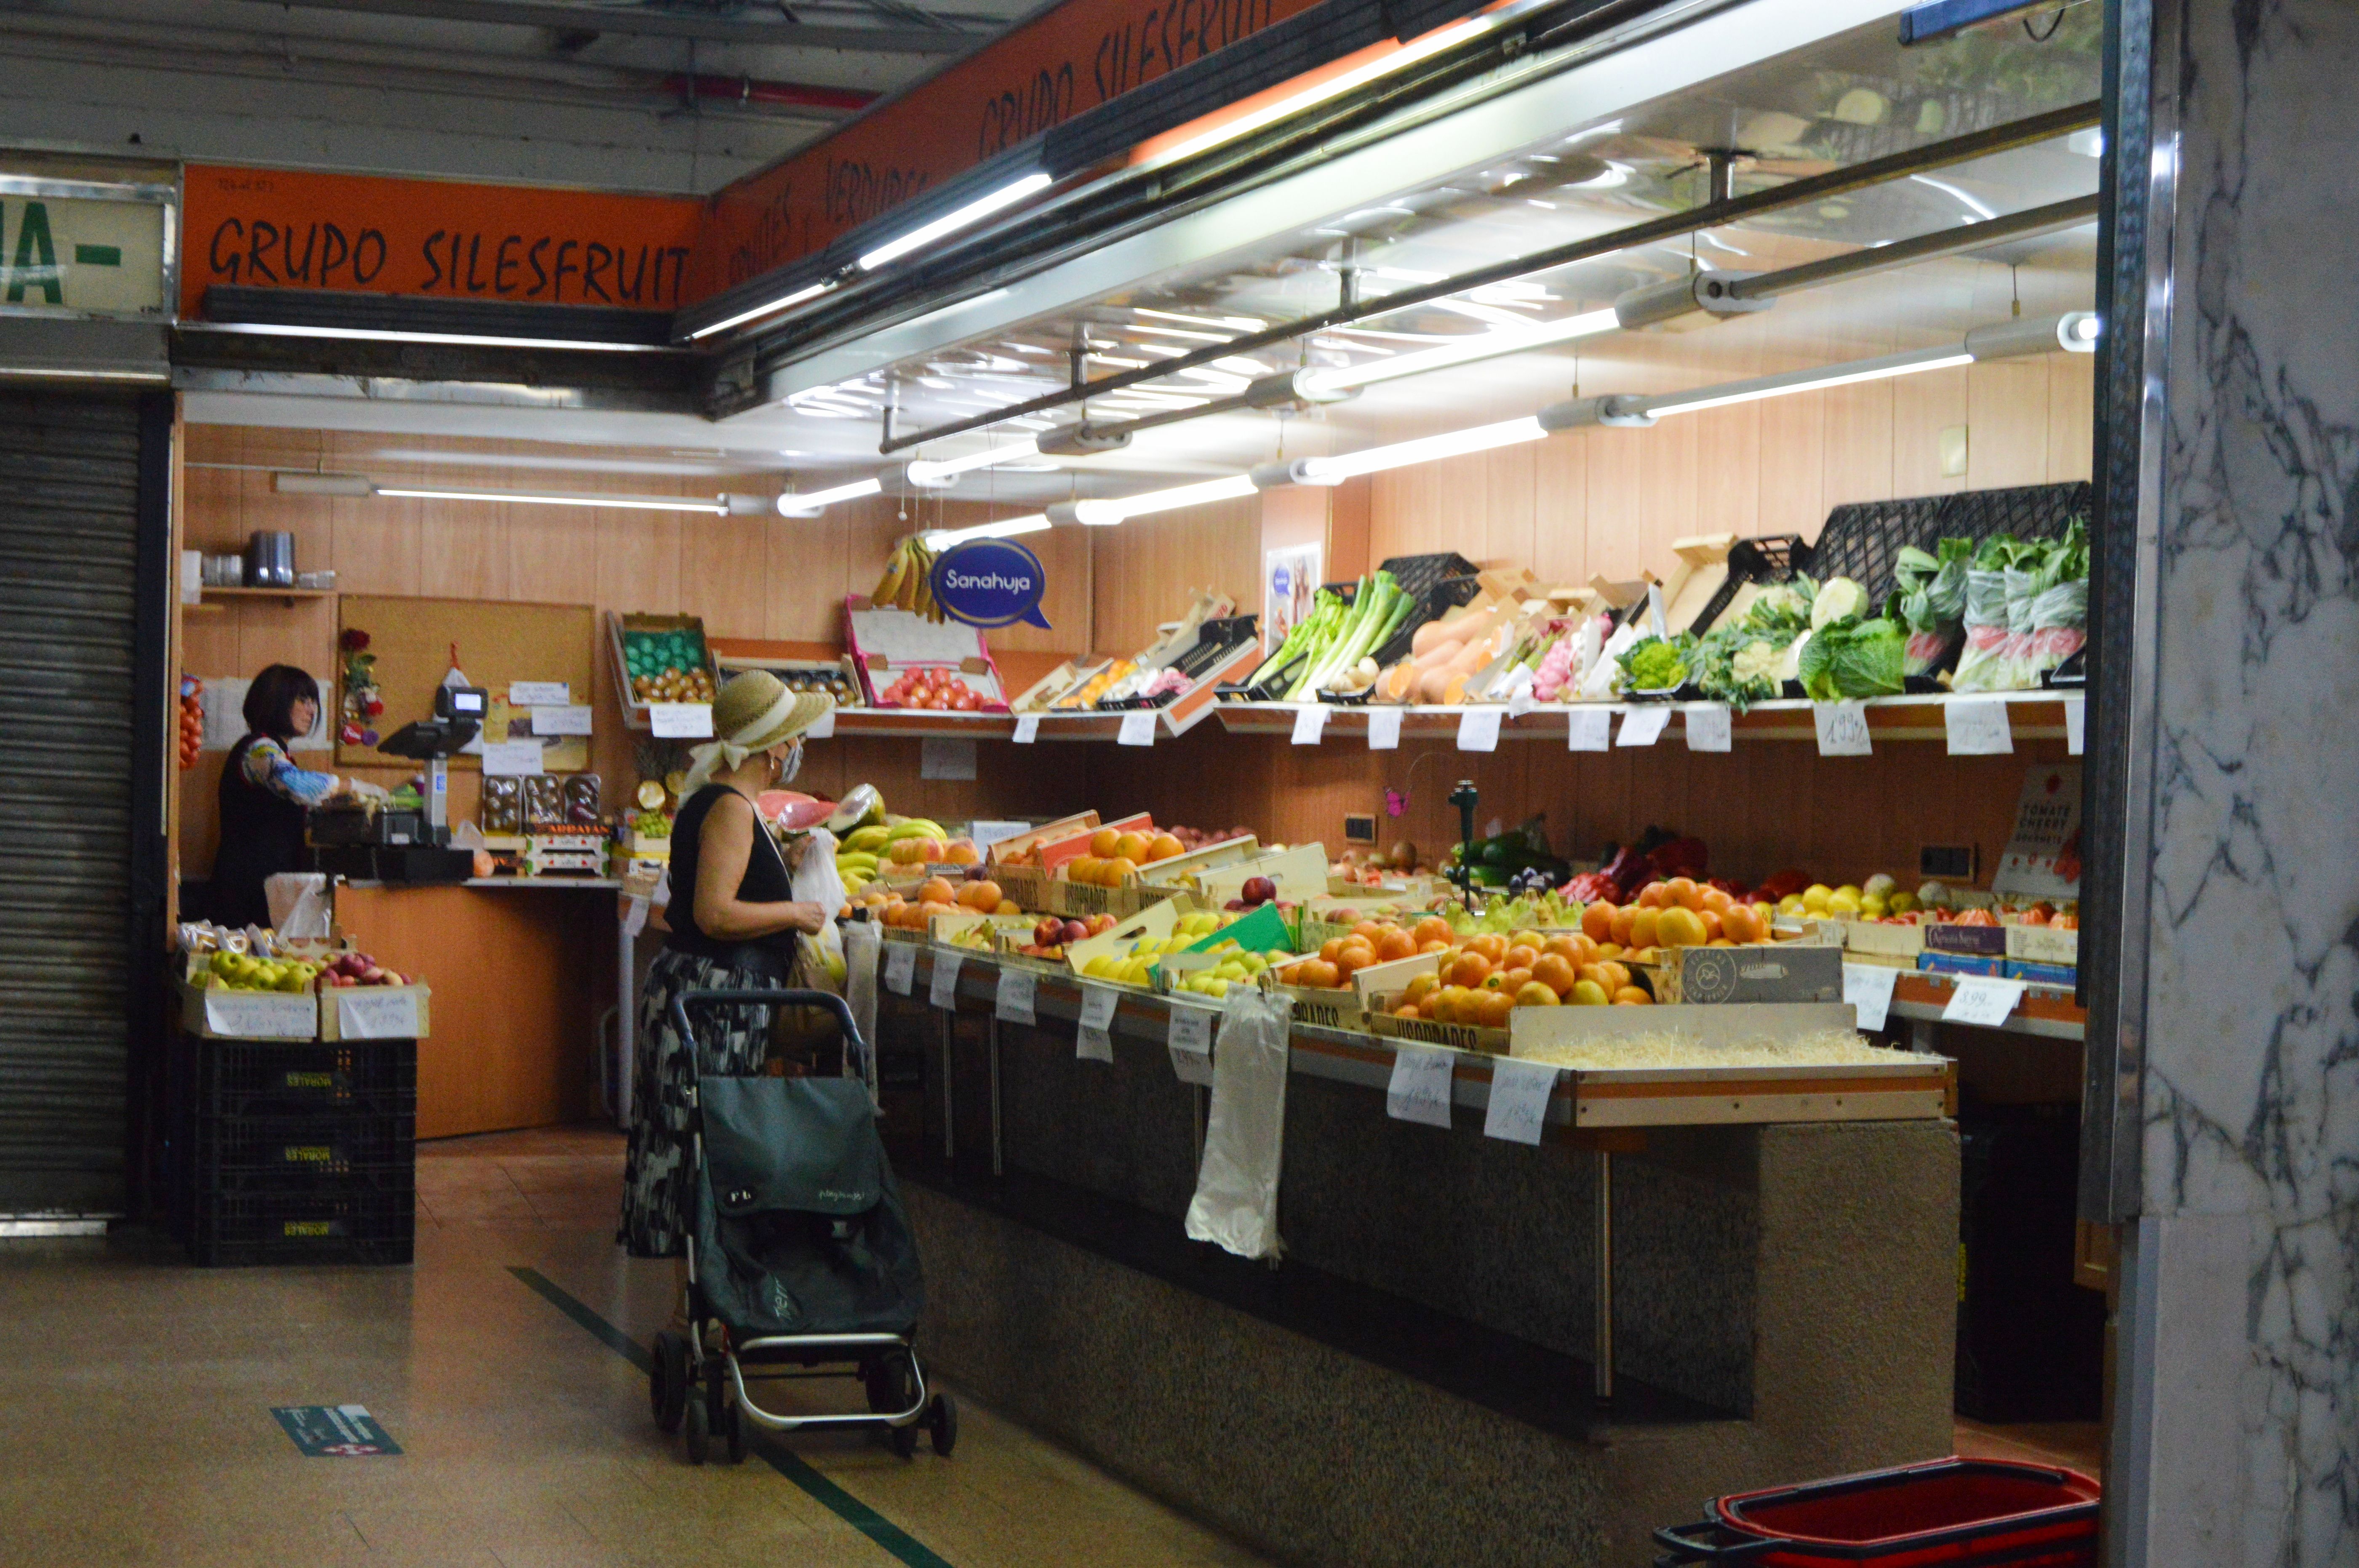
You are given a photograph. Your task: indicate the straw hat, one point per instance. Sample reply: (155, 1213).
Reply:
(752, 713)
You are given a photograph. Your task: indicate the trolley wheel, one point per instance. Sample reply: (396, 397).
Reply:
(942, 1423)
(667, 1380)
(905, 1439)
(721, 1417)
(699, 1428)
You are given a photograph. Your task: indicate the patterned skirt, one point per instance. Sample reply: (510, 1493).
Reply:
(732, 1041)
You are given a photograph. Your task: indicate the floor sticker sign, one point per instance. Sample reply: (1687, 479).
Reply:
(335, 1432)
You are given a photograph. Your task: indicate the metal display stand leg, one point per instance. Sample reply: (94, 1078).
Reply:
(627, 1021)
(950, 1067)
(1604, 1368)
(992, 1045)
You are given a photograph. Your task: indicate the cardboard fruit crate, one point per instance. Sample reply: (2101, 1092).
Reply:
(619, 630)
(374, 1012)
(1383, 1020)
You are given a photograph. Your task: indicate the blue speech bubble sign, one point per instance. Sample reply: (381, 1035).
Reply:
(991, 583)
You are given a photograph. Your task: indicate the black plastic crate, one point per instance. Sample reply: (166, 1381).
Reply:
(1772, 558)
(377, 1151)
(1443, 596)
(1419, 574)
(1863, 540)
(347, 1226)
(236, 1077)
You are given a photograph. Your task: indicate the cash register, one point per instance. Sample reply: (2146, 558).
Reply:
(368, 840)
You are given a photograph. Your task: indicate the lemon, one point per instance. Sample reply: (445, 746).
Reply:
(1842, 901)
(1815, 897)
(1901, 903)
(1791, 904)
(1100, 968)
(1853, 888)
(1873, 906)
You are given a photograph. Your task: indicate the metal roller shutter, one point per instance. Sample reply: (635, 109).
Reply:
(70, 793)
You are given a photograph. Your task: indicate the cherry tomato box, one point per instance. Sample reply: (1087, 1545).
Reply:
(906, 660)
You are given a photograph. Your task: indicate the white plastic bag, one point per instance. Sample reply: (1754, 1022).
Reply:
(817, 881)
(863, 944)
(1244, 1135)
(298, 903)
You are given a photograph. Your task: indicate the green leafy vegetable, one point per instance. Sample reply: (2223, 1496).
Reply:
(1851, 657)
(1838, 597)
(1656, 664)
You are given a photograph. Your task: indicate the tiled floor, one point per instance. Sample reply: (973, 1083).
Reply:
(135, 1395)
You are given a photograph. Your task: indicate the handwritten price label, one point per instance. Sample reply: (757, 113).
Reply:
(1708, 726)
(901, 967)
(1520, 1100)
(1384, 729)
(1419, 1091)
(1310, 723)
(1095, 1041)
(944, 992)
(1977, 726)
(1842, 729)
(1027, 728)
(1868, 988)
(2076, 724)
(1644, 727)
(1014, 1001)
(1589, 728)
(1137, 727)
(1478, 729)
(1981, 1001)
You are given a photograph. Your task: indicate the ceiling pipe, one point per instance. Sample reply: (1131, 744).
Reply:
(746, 91)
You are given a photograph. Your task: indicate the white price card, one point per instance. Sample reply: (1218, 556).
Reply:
(1708, 726)
(381, 1014)
(1520, 1100)
(1644, 724)
(540, 694)
(1191, 1029)
(1981, 1001)
(1191, 1068)
(681, 721)
(901, 966)
(1028, 729)
(511, 759)
(1014, 1002)
(1842, 729)
(1137, 727)
(635, 916)
(1977, 726)
(262, 1015)
(1384, 729)
(563, 719)
(2076, 724)
(1588, 727)
(1309, 723)
(1095, 1041)
(822, 728)
(1419, 1091)
(1868, 988)
(1521, 701)
(944, 991)
(1478, 729)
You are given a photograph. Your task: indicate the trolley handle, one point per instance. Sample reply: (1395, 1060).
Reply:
(1684, 1545)
(777, 998)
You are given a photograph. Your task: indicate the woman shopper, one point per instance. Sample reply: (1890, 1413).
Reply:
(734, 926)
(264, 797)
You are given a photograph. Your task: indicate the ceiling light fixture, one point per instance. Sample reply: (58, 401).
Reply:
(1099, 514)
(1466, 350)
(929, 474)
(950, 223)
(376, 334)
(717, 507)
(943, 539)
(784, 302)
(1425, 449)
(812, 503)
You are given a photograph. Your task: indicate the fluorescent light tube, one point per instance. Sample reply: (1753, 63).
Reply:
(715, 508)
(783, 303)
(323, 484)
(943, 539)
(950, 223)
(1425, 449)
(376, 334)
(925, 473)
(1466, 350)
(1881, 369)
(812, 504)
(1104, 514)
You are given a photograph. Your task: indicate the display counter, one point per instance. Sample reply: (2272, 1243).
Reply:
(1783, 1294)
(523, 970)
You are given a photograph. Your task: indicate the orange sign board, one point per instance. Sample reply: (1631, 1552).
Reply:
(525, 244)
(1033, 77)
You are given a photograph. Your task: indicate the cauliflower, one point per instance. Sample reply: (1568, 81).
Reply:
(1756, 660)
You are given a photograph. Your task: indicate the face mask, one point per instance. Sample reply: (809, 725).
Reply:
(792, 764)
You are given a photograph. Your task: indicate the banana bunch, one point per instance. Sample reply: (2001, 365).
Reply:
(857, 869)
(908, 580)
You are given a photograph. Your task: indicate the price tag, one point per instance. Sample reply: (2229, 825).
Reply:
(1842, 729)
(1708, 726)
(1478, 729)
(1521, 701)
(1588, 729)
(262, 1015)
(1095, 1041)
(1014, 1002)
(1191, 1029)
(540, 694)
(1981, 1001)
(1419, 1091)
(681, 721)
(383, 1014)
(1137, 727)
(1977, 726)
(1027, 728)
(1520, 1100)
(1384, 729)
(2076, 724)
(901, 967)
(1310, 722)
(511, 759)
(1191, 1068)
(944, 992)
(822, 728)
(1644, 725)
(1868, 988)
(635, 916)
(569, 719)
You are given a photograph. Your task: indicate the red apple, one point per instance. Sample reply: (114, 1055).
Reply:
(1076, 932)
(1258, 890)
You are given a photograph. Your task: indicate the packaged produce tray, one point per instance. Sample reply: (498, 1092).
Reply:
(885, 644)
(1861, 540)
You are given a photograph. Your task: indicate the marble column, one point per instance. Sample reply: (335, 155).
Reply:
(2237, 1440)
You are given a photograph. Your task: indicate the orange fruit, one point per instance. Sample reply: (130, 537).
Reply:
(1645, 931)
(1564, 943)
(1470, 968)
(1712, 927)
(1587, 994)
(1682, 892)
(1681, 928)
(1444, 1004)
(1513, 980)
(1121, 869)
(934, 890)
(1740, 924)
(1530, 939)
(1395, 944)
(1433, 928)
(1597, 920)
(1495, 1005)
(1651, 896)
(960, 852)
(1584, 950)
(980, 896)
(1521, 955)
(1535, 994)
(1626, 920)
(1330, 949)
(1006, 906)
(1369, 930)
(1131, 847)
(1631, 997)
(1102, 842)
(1556, 972)
(1420, 987)
(1406, 1011)
(1163, 847)
(1433, 947)
(1497, 981)
(1317, 973)
(1491, 945)
(1614, 974)
(1718, 902)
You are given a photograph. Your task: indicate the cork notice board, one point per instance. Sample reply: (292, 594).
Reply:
(498, 643)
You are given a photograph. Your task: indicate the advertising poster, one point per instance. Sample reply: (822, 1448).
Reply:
(1290, 577)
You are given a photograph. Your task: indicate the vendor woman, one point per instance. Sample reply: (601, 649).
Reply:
(735, 925)
(264, 795)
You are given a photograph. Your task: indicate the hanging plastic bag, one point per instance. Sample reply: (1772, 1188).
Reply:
(1244, 1135)
(818, 958)
(298, 903)
(1982, 664)
(863, 945)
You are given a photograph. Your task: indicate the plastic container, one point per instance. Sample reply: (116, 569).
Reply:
(349, 1226)
(250, 1078)
(1862, 540)
(1949, 1513)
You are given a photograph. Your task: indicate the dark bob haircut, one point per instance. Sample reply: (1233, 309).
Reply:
(270, 700)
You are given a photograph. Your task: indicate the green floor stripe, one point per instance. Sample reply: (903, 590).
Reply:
(834, 1499)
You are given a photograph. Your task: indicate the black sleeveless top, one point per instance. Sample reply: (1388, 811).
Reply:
(766, 882)
(261, 836)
